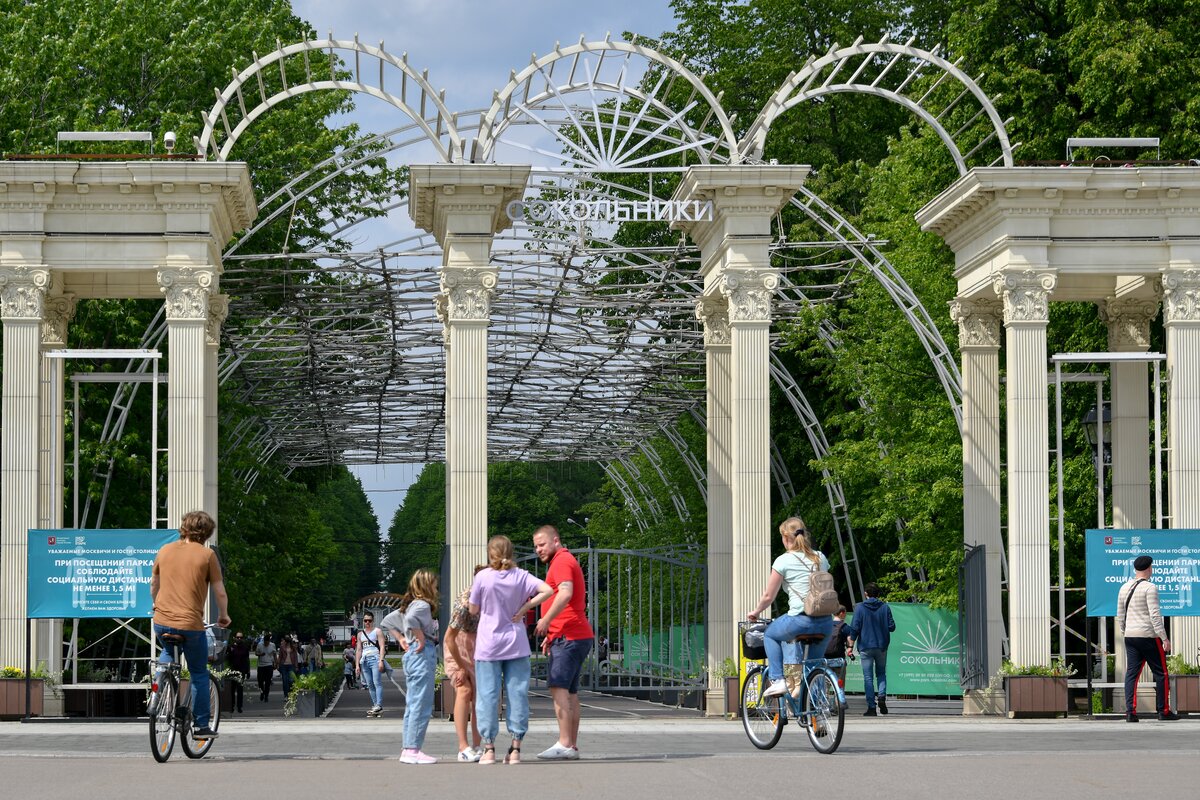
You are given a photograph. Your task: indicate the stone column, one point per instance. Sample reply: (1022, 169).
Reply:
(187, 291)
(218, 310)
(466, 303)
(1128, 321)
(1026, 314)
(22, 306)
(59, 309)
(463, 206)
(979, 342)
(722, 626)
(1181, 318)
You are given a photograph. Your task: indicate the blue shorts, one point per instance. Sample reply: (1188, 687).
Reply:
(566, 663)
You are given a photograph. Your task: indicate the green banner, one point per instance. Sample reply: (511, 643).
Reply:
(923, 656)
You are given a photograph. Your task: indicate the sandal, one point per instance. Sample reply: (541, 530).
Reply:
(514, 754)
(489, 755)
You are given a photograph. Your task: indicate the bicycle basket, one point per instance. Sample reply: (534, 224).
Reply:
(752, 641)
(218, 643)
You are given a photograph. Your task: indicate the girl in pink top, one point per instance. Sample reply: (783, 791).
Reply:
(500, 595)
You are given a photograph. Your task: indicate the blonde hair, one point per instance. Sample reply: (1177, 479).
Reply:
(795, 537)
(423, 585)
(500, 553)
(196, 526)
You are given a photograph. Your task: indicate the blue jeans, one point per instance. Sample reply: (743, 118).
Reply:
(789, 626)
(514, 674)
(195, 653)
(287, 673)
(372, 679)
(419, 670)
(874, 665)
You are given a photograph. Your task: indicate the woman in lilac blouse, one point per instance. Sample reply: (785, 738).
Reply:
(500, 595)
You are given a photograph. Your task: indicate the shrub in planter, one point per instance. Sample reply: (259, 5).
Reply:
(1185, 680)
(1036, 689)
(309, 692)
(12, 691)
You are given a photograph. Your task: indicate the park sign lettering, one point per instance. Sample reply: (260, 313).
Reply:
(1176, 572)
(92, 573)
(579, 210)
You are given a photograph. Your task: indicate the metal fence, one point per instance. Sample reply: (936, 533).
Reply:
(972, 619)
(647, 608)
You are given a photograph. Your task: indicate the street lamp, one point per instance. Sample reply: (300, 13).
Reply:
(1103, 436)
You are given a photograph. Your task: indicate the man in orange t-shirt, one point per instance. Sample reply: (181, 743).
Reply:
(569, 637)
(183, 572)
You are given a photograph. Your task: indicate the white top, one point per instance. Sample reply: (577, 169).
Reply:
(796, 569)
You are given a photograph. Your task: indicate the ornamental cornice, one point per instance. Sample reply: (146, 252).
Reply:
(714, 313)
(466, 293)
(58, 312)
(218, 311)
(23, 292)
(1181, 295)
(978, 322)
(187, 291)
(1128, 320)
(1026, 295)
(86, 207)
(749, 293)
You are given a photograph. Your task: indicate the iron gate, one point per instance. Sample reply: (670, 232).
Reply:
(972, 619)
(647, 608)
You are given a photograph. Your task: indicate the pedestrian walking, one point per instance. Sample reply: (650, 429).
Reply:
(368, 662)
(414, 625)
(239, 661)
(266, 652)
(501, 595)
(289, 659)
(568, 639)
(1146, 639)
(871, 629)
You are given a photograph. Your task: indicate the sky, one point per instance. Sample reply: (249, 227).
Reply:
(469, 47)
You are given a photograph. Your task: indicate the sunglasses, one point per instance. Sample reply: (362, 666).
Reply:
(368, 619)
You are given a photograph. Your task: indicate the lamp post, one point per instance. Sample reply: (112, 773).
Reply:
(1099, 440)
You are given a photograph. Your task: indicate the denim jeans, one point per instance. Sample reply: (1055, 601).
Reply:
(195, 653)
(287, 673)
(789, 626)
(372, 679)
(514, 675)
(874, 666)
(419, 670)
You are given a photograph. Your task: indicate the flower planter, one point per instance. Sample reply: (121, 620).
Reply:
(1035, 696)
(12, 697)
(307, 705)
(1187, 693)
(443, 699)
(733, 695)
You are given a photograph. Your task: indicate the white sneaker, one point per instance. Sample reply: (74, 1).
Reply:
(573, 755)
(470, 755)
(416, 757)
(776, 688)
(557, 752)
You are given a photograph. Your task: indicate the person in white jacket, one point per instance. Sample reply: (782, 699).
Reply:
(1146, 642)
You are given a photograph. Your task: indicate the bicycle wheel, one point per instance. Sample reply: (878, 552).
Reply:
(162, 721)
(196, 748)
(824, 714)
(762, 719)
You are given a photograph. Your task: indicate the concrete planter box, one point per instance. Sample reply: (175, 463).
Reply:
(12, 697)
(1035, 696)
(1187, 693)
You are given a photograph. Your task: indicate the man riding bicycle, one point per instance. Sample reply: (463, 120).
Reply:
(183, 572)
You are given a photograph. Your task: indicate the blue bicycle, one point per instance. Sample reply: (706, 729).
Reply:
(818, 703)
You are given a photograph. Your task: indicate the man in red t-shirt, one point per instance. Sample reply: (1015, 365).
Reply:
(568, 639)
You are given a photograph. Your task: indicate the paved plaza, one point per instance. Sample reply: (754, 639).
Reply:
(630, 750)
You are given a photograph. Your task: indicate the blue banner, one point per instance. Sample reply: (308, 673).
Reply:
(92, 573)
(1176, 570)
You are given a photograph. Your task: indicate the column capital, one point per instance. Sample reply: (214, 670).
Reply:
(1181, 296)
(714, 313)
(1128, 320)
(187, 291)
(218, 311)
(978, 322)
(1026, 295)
(748, 293)
(23, 292)
(466, 294)
(59, 311)
(448, 199)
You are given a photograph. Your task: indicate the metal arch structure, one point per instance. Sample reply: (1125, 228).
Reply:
(220, 135)
(597, 147)
(892, 71)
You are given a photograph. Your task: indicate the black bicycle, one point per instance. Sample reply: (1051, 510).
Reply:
(171, 709)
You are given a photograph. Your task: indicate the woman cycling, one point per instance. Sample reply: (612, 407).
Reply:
(792, 569)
